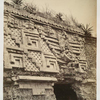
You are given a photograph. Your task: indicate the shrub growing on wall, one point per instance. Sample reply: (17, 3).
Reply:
(30, 8)
(17, 2)
(86, 29)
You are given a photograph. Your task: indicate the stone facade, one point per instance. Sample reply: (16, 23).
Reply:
(39, 53)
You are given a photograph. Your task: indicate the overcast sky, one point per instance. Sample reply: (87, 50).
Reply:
(83, 10)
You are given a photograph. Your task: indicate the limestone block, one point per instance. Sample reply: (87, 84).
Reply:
(29, 64)
(7, 61)
(36, 57)
(9, 42)
(37, 78)
(13, 35)
(29, 25)
(16, 60)
(35, 31)
(42, 37)
(30, 41)
(12, 58)
(11, 21)
(44, 47)
(40, 88)
(38, 91)
(52, 33)
(49, 64)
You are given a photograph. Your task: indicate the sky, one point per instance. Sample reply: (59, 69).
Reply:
(84, 11)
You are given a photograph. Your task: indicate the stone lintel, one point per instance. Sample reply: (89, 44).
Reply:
(37, 78)
(89, 81)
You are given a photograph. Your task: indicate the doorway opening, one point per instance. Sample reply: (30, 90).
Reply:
(64, 92)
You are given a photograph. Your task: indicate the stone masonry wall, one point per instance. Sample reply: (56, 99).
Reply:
(39, 53)
(90, 47)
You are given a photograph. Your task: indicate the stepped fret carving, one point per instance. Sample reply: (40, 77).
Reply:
(16, 60)
(49, 64)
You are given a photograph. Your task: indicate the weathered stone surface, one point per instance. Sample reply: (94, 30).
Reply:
(41, 53)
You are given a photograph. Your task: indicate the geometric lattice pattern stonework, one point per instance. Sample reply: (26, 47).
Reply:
(29, 65)
(37, 57)
(40, 54)
(9, 42)
(16, 33)
(44, 47)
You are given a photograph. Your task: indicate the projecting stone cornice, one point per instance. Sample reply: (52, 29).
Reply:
(22, 14)
(34, 78)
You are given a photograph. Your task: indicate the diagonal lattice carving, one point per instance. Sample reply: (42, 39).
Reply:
(37, 57)
(16, 34)
(44, 46)
(29, 65)
(9, 42)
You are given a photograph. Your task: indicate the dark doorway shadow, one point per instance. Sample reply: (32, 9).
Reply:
(64, 92)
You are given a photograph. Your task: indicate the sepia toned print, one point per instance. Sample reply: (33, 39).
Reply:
(46, 57)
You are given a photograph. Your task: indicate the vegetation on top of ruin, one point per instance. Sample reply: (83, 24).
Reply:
(55, 17)
(86, 29)
(18, 2)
